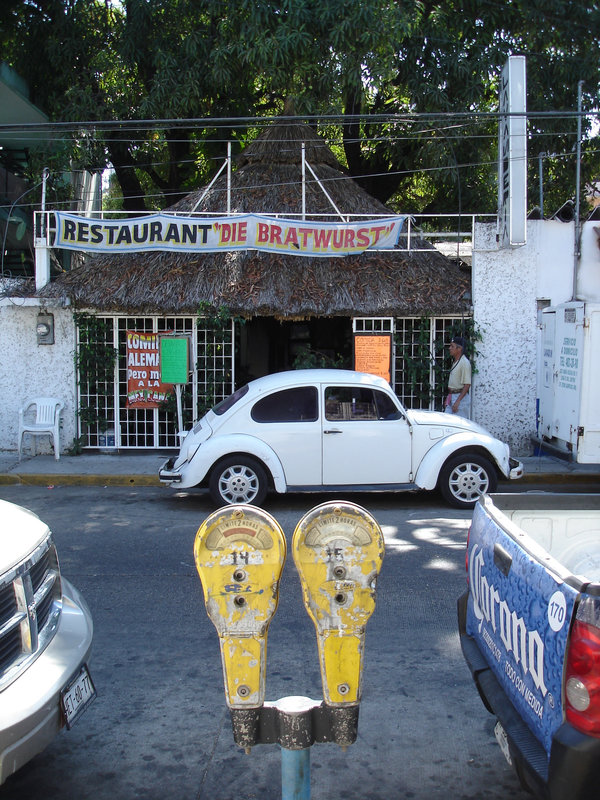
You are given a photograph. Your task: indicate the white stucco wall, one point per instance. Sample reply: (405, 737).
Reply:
(507, 285)
(28, 369)
(588, 283)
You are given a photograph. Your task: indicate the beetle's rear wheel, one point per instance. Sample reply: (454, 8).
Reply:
(238, 479)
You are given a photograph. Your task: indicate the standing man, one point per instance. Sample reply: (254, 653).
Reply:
(459, 381)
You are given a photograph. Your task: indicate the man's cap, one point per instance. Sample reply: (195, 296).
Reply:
(459, 341)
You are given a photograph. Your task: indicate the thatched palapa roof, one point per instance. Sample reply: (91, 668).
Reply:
(268, 180)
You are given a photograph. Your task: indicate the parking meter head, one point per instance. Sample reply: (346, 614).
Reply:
(338, 550)
(239, 553)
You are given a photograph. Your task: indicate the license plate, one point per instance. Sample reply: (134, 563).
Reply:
(77, 696)
(502, 740)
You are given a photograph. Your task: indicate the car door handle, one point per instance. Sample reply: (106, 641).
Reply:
(333, 430)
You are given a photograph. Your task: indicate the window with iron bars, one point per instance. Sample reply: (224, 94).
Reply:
(109, 422)
(421, 359)
(420, 362)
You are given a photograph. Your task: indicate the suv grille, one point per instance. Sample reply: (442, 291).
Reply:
(30, 606)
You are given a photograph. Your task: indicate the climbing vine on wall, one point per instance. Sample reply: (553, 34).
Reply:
(215, 354)
(95, 360)
(423, 362)
(471, 333)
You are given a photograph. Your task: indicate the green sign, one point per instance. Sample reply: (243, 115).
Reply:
(174, 365)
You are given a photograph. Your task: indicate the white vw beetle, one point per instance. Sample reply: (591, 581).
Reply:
(334, 430)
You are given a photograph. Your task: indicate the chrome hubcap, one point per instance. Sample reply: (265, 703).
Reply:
(238, 484)
(468, 482)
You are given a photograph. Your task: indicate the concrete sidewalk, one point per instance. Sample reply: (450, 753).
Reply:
(132, 468)
(89, 468)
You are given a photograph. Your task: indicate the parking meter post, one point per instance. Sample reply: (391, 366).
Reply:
(338, 550)
(295, 774)
(295, 734)
(239, 553)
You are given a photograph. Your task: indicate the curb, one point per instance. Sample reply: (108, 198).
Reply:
(57, 479)
(79, 480)
(563, 478)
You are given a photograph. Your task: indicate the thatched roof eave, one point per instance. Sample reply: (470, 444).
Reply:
(250, 284)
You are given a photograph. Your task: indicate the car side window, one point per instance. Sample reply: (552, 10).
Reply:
(289, 405)
(358, 403)
(230, 401)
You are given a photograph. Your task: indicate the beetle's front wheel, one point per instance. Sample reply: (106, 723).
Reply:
(464, 478)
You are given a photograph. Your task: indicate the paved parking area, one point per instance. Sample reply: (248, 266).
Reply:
(159, 727)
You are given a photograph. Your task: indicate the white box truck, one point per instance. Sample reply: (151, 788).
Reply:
(569, 381)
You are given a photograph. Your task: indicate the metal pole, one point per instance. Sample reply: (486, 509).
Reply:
(541, 176)
(577, 233)
(295, 774)
(228, 178)
(179, 413)
(45, 174)
(303, 153)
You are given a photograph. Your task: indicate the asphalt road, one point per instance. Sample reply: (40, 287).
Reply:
(160, 729)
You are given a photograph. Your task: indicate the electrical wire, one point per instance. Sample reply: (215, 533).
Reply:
(456, 126)
(235, 123)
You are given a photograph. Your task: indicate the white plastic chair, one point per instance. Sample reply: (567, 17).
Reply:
(40, 416)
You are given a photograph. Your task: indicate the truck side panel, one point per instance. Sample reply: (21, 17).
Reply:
(519, 614)
(588, 445)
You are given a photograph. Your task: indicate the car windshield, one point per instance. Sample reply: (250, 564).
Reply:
(230, 401)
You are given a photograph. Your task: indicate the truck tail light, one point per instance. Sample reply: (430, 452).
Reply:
(582, 679)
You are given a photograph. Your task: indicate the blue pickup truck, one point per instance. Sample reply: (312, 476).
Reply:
(529, 627)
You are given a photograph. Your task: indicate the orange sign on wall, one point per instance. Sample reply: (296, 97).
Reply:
(373, 354)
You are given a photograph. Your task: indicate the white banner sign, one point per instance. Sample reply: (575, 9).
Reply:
(247, 232)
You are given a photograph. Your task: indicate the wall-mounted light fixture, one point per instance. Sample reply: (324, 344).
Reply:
(45, 328)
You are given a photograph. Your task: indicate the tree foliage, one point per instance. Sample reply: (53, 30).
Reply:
(381, 65)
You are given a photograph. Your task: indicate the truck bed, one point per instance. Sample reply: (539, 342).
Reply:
(565, 526)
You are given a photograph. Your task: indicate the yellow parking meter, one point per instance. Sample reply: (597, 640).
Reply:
(240, 552)
(338, 550)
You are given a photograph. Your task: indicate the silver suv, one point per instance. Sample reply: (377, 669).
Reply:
(45, 640)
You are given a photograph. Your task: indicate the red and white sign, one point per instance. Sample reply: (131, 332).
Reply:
(144, 387)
